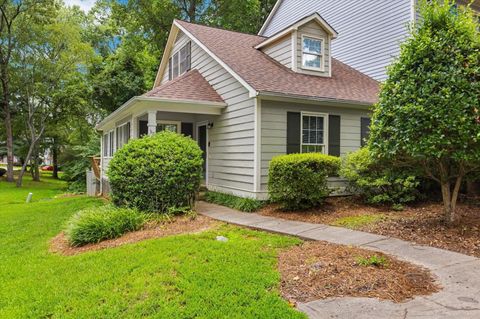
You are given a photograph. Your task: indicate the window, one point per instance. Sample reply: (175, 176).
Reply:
(172, 126)
(364, 130)
(312, 53)
(314, 133)
(123, 135)
(108, 143)
(111, 147)
(180, 62)
(105, 145)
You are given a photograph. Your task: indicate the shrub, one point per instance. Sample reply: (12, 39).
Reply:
(299, 181)
(93, 225)
(232, 201)
(156, 173)
(377, 182)
(375, 260)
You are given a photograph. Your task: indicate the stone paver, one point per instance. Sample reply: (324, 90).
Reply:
(458, 274)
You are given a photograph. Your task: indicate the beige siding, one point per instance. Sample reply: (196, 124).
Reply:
(274, 129)
(315, 30)
(281, 51)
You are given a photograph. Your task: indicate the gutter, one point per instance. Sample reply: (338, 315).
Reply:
(275, 95)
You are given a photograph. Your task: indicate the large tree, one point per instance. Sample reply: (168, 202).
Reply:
(50, 63)
(428, 114)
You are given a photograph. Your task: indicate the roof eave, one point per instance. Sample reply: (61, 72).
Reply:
(269, 95)
(123, 110)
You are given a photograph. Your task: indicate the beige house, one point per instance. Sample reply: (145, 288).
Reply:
(246, 98)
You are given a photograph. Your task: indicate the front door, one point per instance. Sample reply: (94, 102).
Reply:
(202, 142)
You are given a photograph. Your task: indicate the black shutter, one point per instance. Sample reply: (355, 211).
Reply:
(143, 128)
(170, 75)
(364, 130)
(334, 135)
(293, 132)
(187, 129)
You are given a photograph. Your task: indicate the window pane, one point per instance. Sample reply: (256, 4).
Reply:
(311, 46)
(311, 61)
(105, 145)
(175, 65)
(167, 127)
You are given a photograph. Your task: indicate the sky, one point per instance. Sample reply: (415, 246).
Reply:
(85, 5)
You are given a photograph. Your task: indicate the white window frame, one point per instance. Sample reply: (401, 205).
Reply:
(322, 53)
(128, 136)
(179, 59)
(325, 130)
(178, 123)
(109, 147)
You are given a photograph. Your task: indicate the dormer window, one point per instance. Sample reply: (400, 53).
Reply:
(312, 53)
(180, 62)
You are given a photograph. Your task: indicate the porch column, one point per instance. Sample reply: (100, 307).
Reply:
(134, 128)
(152, 122)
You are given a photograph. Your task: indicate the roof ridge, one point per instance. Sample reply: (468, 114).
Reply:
(222, 29)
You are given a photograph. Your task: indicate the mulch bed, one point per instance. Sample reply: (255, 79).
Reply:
(421, 223)
(177, 226)
(319, 270)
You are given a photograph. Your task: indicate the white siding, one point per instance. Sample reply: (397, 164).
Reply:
(231, 150)
(281, 51)
(369, 32)
(274, 129)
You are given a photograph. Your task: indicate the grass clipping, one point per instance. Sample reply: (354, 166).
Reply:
(319, 270)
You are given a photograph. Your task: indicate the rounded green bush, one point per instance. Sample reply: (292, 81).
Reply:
(93, 225)
(299, 181)
(156, 173)
(378, 182)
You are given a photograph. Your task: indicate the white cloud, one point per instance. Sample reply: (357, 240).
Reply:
(85, 5)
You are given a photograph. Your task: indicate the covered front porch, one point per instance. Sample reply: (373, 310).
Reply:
(187, 105)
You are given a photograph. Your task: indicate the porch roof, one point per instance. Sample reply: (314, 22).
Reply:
(189, 93)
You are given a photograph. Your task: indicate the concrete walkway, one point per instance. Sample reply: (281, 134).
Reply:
(458, 274)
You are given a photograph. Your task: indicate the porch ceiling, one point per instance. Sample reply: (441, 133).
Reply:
(139, 105)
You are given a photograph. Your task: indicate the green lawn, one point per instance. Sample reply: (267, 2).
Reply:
(189, 276)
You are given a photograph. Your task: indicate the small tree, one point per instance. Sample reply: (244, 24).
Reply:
(429, 112)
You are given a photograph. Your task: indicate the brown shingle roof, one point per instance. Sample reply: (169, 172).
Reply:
(266, 75)
(189, 86)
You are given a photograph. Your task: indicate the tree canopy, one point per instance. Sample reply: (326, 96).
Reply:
(429, 112)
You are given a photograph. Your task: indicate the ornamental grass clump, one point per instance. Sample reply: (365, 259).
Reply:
(93, 225)
(156, 173)
(299, 181)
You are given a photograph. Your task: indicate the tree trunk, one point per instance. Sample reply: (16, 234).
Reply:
(36, 168)
(450, 198)
(55, 159)
(24, 166)
(9, 140)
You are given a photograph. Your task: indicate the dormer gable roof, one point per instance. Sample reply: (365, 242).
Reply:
(312, 17)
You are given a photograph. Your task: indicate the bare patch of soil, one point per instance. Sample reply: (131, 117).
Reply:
(319, 270)
(179, 225)
(422, 223)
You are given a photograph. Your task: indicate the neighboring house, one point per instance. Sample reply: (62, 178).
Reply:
(246, 98)
(369, 32)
